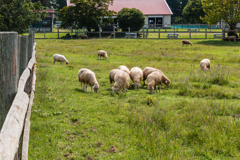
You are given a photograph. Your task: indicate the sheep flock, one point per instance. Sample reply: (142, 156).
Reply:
(122, 75)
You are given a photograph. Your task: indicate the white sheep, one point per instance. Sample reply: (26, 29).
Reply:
(103, 54)
(121, 80)
(124, 68)
(87, 76)
(59, 58)
(205, 64)
(112, 74)
(186, 42)
(147, 71)
(156, 78)
(136, 74)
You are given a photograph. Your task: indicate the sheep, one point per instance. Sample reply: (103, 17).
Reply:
(136, 74)
(87, 76)
(156, 78)
(205, 64)
(112, 74)
(147, 71)
(124, 68)
(121, 80)
(84, 36)
(186, 42)
(103, 54)
(59, 58)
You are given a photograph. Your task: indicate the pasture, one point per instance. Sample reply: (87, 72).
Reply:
(196, 118)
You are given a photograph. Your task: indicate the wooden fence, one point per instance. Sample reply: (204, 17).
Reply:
(17, 57)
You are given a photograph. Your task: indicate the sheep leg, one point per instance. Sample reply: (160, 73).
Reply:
(54, 61)
(156, 89)
(91, 89)
(159, 88)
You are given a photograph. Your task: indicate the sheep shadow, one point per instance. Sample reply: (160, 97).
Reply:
(79, 90)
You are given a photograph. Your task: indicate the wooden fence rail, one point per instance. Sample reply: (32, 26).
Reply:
(17, 121)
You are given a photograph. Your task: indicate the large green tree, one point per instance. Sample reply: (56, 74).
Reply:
(218, 10)
(193, 11)
(130, 17)
(17, 15)
(87, 13)
(176, 7)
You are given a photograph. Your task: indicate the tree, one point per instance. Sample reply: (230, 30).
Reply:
(130, 17)
(176, 7)
(193, 11)
(87, 13)
(17, 15)
(218, 10)
(49, 4)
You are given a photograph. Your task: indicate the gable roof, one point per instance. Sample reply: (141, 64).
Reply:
(147, 7)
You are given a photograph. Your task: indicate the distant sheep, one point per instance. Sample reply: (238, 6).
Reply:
(124, 68)
(87, 76)
(156, 78)
(205, 64)
(83, 36)
(136, 74)
(112, 74)
(121, 80)
(186, 42)
(103, 54)
(59, 58)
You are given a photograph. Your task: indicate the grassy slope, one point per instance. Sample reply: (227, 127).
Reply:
(196, 118)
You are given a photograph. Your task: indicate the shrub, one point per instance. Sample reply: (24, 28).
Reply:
(132, 18)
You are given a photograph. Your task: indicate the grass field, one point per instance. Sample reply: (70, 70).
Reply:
(196, 118)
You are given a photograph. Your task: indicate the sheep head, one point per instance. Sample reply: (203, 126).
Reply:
(95, 87)
(136, 85)
(150, 88)
(67, 62)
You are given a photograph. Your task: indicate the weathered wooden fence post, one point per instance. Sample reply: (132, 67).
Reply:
(113, 32)
(58, 33)
(158, 32)
(174, 32)
(143, 32)
(99, 32)
(23, 53)
(44, 33)
(30, 45)
(190, 33)
(205, 33)
(128, 32)
(8, 79)
(71, 32)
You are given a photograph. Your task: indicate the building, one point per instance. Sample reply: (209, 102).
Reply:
(45, 25)
(157, 12)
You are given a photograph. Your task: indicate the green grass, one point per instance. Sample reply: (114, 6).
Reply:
(196, 118)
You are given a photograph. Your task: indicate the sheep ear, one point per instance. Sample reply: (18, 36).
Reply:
(94, 87)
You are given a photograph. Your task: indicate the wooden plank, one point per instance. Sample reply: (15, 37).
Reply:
(27, 121)
(23, 80)
(23, 53)
(8, 67)
(12, 127)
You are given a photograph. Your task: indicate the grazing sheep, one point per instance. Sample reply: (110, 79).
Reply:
(103, 54)
(156, 78)
(87, 76)
(59, 58)
(83, 36)
(124, 68)
(136, 74)
(121, 80)
(112, 74)
(147, 71)
(205, 64)
(186, 42)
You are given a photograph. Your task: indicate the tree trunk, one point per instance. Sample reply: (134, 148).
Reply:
(233, 26)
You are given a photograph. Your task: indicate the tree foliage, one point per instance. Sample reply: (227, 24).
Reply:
(217, 10)
(87, 13)
(49, 4)
(193, 11)
(176, 7)
(17, 15)
(130, 17)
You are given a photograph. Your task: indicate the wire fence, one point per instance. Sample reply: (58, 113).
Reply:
(176, 31)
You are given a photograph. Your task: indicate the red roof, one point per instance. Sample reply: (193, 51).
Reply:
(147, 7)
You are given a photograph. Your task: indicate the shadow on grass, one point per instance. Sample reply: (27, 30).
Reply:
(79, 90)
(218, 43)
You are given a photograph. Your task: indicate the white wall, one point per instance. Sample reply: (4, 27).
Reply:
(166, 19)
(146, 22)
